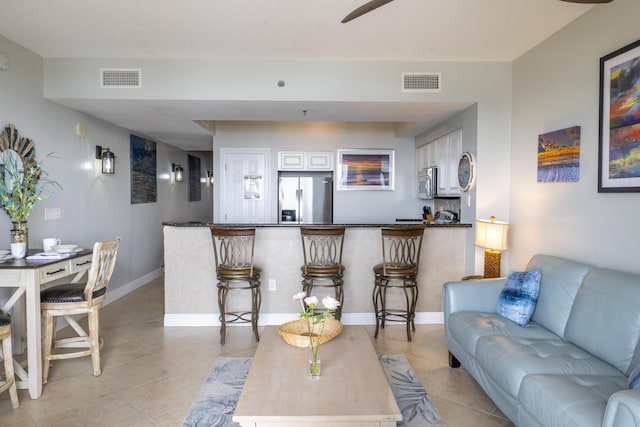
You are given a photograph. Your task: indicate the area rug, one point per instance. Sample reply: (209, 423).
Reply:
(217, 399)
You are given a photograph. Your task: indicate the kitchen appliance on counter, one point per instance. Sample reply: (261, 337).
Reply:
(305, 197)
(444, 216)
(428, 183)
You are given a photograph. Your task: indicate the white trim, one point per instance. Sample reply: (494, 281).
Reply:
(211, 319)
(122, 291)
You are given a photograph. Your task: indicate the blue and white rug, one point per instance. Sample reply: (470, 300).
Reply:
(217, 399)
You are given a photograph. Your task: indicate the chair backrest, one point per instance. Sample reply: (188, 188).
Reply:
(322, 246)
(401, 247)
(233, 247)
(102, 265)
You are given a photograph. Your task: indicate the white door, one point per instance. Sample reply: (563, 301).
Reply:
(244, 188)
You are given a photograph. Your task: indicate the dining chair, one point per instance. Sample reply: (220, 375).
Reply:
(7, 354)
(71, 299)
(398, 270)
(322, 254)
(233, 248)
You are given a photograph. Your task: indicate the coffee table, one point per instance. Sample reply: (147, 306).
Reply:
(352, 389)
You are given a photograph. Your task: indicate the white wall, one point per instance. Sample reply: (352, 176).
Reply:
(94, 206)
(555, 86)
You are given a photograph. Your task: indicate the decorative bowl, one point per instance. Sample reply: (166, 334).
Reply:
(296, 333)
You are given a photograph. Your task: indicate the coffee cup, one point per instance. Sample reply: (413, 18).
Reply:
(49, 243)
(18, 250)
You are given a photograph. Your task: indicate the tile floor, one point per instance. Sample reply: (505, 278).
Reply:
(151, 374)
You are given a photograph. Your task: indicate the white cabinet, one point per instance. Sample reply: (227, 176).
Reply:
(444, 153)
(305, 160)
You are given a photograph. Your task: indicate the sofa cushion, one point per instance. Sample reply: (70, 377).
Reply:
(633, 381)
(469, 326)
(509, 359)
(568, 400)
(605, 320)
(559, 284)
(519, 297)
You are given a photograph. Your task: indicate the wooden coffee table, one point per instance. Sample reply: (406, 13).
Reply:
(352, 390)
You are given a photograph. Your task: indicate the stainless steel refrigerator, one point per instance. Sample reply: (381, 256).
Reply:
(305, 197)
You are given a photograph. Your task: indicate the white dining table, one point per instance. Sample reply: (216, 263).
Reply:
(28, 277)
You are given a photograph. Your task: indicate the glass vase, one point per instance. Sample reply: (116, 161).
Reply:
(20, 233)
(314, 368)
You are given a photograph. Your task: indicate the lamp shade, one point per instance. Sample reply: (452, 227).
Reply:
(491, 234)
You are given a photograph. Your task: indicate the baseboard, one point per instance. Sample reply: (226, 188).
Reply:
(116, 294)
(211, 319)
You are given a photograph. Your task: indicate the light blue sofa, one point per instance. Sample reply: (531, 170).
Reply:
(569, 365)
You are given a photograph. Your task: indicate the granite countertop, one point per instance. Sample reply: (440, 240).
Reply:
(399, 223)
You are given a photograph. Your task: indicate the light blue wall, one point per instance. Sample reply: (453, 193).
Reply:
(94, 206)
(555, 86)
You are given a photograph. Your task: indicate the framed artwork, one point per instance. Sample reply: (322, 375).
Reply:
(195, 184)
(559, 155)
(360, 169)
(619, 147)
(144, 185)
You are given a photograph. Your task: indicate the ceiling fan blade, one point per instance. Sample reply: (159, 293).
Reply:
(365, 8)
(588, 1)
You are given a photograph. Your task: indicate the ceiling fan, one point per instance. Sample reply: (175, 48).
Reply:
(374, 4)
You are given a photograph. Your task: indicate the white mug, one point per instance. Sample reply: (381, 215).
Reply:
(18, 250)
(49, 243)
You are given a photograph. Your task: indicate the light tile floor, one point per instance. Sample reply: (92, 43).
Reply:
(151, 374)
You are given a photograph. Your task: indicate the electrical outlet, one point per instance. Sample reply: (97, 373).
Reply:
(272, 284)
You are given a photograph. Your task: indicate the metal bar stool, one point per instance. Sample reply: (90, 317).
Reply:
(233, 248)
(322, 251)
(399, 269)
(7, 354)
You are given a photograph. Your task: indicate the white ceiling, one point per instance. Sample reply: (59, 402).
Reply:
(403, 30)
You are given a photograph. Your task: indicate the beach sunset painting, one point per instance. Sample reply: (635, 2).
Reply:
(366, 170)
(559, 155)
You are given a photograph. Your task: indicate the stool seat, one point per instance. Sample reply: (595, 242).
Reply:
(7, 354)
(233, 249)
(322, 254)
(398, 272)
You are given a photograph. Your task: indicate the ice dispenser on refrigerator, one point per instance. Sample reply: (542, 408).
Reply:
(305, 197)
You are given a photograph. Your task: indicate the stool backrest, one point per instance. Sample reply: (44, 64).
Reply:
(233, 247)
(401, 246)
(322, 246)
(103, 262)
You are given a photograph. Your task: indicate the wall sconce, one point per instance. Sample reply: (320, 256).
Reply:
(108, 160)
(210, 177)
(178, 172)
(491, 235)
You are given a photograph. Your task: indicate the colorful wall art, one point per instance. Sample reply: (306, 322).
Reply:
(144, 185)
(559, 155)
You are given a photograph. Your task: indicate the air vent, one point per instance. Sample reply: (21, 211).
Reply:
(421, 82)
(120, 78)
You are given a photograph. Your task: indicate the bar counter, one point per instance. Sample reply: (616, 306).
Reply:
(190, 282)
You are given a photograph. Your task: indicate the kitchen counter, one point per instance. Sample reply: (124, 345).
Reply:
(190, 281)
(399, 222)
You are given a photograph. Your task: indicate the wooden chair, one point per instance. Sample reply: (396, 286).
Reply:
(7, 354)
(233, 248)
(78, 298)
(322, 252)
(399, 269)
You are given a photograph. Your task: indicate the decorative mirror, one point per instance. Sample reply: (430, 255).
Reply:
(14, 148)
(466, 171)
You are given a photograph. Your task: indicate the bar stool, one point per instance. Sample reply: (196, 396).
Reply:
(322, 251)
(7, 354)
(399, 269)
(233, 248)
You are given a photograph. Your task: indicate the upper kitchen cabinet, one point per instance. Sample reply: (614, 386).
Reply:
(305, 160)
(448, 151)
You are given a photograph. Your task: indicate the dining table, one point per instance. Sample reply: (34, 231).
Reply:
(28, 276)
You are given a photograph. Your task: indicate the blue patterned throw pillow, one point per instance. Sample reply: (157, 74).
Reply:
(634, 378)
(519, 297)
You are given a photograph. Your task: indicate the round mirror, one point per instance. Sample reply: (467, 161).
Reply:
(16, 154)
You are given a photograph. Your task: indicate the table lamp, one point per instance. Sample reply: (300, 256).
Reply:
(491, 235)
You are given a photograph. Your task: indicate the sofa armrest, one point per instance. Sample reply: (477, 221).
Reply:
(472, 295)
(623, 409)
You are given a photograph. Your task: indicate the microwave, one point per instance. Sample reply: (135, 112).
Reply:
(427, 183)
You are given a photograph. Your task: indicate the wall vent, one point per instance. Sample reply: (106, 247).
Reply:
(421, 82)
(120, 78)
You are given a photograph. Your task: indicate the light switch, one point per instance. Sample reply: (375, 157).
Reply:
(52, 213)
